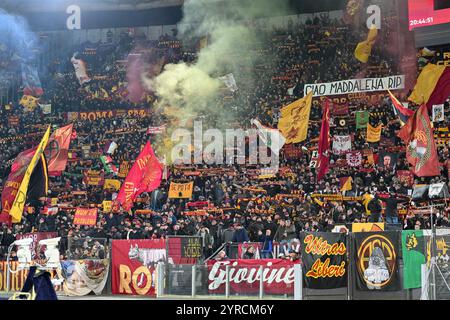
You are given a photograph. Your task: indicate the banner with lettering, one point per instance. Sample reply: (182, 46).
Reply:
(36, 236)
(355, 85)
(85, 216)
(405, 176)
(107, 206)
(324, 259)
(113, 184)
(278, 276)
(134, 265)
(82, 277)
(376, 258)
(124, 168)
(373, 133)
(93, 177)
(181, 190)
(342, 144)
(292, 152)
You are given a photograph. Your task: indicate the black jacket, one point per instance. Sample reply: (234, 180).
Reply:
(391, 205)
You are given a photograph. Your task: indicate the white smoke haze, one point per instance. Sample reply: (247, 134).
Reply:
(17, 39)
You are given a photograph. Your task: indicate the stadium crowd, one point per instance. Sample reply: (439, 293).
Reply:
(244, 207)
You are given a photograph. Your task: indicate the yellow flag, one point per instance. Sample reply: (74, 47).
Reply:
(426, 83)
(294, 120)
(19, 201)
(29, 102)
(364, 48)
(181, 190)
(373, 133)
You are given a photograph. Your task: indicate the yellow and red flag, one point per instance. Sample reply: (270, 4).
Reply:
(294, 120)
(433, 86)
(421, 151)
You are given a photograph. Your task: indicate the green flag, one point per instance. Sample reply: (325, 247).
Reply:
(362, 118)
(413, 248)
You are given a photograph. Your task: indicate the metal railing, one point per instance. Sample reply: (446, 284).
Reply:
(192, 281)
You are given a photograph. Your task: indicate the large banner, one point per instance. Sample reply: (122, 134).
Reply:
(278, 276)
(324, 259)
(355, 86)
(83, 276)
(107, 114)
(134, 265)
(376, 255)
(36, 236)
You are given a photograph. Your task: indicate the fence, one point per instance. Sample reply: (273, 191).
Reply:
(196, 281)
(87, 248)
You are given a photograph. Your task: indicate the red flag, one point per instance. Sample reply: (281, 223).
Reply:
(57, 150)
(421, 151)
(324, 143)
(144, 176)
